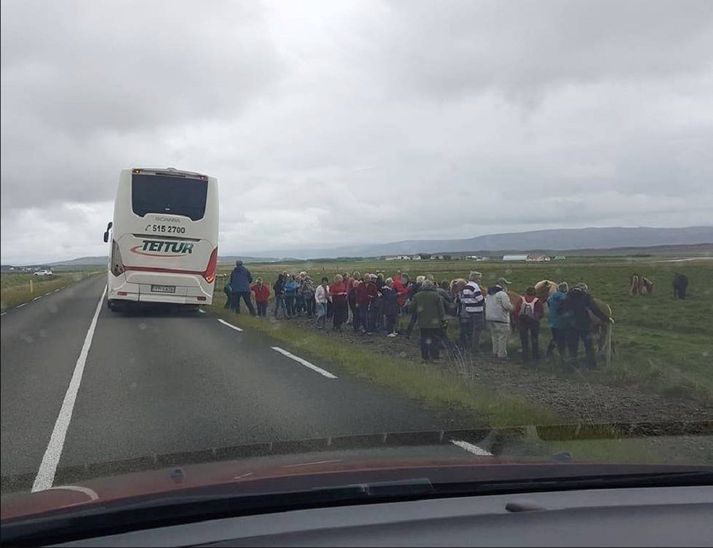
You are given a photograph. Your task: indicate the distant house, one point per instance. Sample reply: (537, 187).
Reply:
(416, 258)
(514, 257)
(537, 258)
(560, 258)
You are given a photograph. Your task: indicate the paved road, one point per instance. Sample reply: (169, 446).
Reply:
(179, 384)
(159, 384)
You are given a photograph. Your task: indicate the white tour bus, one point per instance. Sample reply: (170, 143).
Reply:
(164, 240)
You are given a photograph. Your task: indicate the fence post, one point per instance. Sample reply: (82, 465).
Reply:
(32, 289)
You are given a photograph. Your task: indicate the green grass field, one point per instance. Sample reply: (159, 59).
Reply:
(17, 288)
(660, 344)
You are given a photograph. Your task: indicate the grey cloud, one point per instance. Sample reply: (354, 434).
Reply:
(519, 48)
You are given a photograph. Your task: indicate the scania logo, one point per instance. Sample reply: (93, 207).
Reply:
(158, 248)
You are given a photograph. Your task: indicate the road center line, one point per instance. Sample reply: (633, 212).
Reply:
(304, 362)
(50, 460)
(472, 448)
(230, 325)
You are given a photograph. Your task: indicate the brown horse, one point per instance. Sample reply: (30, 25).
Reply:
(640, 285)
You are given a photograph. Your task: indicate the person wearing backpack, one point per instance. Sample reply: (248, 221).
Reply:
(559, 320)
(527, 319)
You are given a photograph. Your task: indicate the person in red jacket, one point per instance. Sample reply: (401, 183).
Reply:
(262, 295)
(527, 320)
(338, 292)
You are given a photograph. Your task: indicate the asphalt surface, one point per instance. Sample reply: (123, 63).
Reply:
(167, 383)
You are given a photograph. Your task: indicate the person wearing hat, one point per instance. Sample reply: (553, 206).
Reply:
(581, 306)
(559, 320)
(497, 316)
(240, 280)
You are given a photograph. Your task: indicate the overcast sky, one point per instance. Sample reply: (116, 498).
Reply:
(341, 122)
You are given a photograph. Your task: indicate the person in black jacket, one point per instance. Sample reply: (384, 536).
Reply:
(579, 304)
(279, 289)
(390, 307)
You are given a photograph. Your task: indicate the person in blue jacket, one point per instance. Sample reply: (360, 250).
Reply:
(240, 280)
(559, 320)
(292, 286)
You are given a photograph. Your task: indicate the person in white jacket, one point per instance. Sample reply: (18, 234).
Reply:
(321, 298)
(497, 316)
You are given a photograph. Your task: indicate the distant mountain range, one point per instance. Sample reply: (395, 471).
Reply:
(538, 240)
(562, 239)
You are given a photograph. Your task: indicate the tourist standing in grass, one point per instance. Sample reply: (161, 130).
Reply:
(427, 305)
(391, 307)
(338, 294)
(262, 296)
(527, 318)
(580, 304)
(559, 320)
(471, 313)
(307, 291)
(497, 316)
(321, 298)
(279, 289)
(291, 288)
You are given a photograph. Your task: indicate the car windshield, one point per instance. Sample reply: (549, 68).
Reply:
(427, 237)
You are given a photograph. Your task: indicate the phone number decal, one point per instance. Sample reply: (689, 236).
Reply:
(167, 229)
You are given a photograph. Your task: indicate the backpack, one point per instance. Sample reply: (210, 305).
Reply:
(527, 310)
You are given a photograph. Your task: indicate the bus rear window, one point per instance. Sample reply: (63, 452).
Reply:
(166, 194)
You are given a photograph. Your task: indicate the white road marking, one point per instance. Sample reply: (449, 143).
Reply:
(201, 311)
(230, 325)
(472, 448)
(56, 290)
(2, 314)
(37, 298)
(242, 476)
(91, 493)
(20, 305)
(304, 362)
(50, 460)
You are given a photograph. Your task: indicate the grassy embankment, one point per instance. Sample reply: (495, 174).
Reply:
(18, 288)
(660, 344)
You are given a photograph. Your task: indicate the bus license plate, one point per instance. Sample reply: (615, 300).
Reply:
(163, 288)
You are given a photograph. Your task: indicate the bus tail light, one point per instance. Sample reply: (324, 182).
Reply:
(117, 266)
(209, 273)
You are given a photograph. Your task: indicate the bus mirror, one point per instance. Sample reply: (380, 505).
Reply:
(106, 234)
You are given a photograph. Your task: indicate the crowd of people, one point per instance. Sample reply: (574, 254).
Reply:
(372, 304)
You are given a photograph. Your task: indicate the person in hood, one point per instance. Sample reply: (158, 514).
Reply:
(558, 319)
(292, 286)
(472, 313)
(307, 291)
(497, 315)
(262, 295)
(391, 307)
(279, 289)
(430, 314)
(413, 290)
(527, 318)
(580, 305)
(240, 280)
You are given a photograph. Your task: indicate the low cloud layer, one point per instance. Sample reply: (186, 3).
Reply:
(350, 122)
